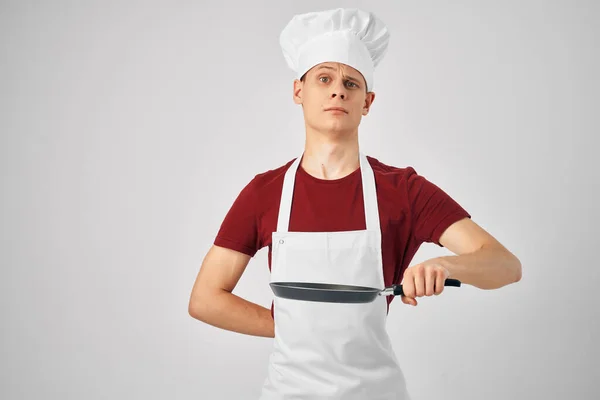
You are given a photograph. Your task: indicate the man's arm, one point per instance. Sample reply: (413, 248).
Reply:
(212, 302)
(480, 260)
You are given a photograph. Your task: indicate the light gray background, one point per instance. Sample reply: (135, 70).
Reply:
(128, 129)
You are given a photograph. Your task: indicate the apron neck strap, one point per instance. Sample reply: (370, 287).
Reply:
(369, 195)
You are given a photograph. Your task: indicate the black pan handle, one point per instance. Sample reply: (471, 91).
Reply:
(449, 282)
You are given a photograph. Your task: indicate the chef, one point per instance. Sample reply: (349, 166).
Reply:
(335, 215)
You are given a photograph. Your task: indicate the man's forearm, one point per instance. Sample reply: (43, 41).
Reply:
(486, 268)
(230, 312)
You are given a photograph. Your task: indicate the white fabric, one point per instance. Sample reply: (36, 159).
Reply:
(346, 35)
(329, 350)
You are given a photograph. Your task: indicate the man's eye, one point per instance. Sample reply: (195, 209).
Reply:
(321, 78)
(352, 83)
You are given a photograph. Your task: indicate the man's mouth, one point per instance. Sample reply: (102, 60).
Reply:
(337, 109)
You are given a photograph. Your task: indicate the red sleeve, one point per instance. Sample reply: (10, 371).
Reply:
(239, 229)
(433, 210)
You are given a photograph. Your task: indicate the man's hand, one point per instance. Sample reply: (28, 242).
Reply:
(425, 279)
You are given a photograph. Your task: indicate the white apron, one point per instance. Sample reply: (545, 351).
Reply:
(329, 350)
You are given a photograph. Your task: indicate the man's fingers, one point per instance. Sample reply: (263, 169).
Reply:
(409, 300)
(419, 282)
(423, 281)
(430, 281)
(440, 280)
(408, 286)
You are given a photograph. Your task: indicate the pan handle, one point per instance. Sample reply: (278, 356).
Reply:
(449, 282)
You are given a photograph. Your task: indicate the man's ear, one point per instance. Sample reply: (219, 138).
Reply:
(369, 99)
(297, 94)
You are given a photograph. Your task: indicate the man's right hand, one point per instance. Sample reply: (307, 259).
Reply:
(212, 301)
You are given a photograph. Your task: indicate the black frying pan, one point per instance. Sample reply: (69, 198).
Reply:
(330, 293)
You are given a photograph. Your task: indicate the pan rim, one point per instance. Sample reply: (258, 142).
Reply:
(317, 287)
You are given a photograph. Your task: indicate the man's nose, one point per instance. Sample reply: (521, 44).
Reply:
(338, 89)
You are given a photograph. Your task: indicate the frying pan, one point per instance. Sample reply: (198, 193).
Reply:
(332, 293)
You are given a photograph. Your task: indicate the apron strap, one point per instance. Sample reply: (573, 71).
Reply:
(369, 195)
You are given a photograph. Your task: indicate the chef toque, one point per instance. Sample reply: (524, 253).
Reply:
(350, 36)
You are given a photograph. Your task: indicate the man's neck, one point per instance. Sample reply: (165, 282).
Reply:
(327, 158)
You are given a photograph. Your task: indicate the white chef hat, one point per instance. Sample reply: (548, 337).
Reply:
(350, 36)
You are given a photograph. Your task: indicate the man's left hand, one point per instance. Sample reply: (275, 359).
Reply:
(424, 279)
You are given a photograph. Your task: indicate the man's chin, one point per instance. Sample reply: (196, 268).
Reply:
(338, 129)
(333, 126)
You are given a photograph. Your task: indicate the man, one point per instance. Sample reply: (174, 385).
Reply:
(353, 220)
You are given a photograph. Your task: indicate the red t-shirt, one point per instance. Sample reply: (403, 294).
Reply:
(412, 210)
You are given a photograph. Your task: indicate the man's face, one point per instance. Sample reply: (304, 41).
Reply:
(329, 85)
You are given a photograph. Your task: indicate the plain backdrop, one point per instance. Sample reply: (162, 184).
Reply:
(128, 129)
